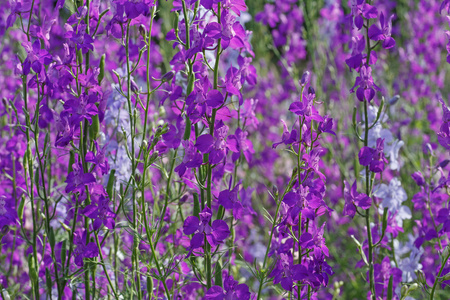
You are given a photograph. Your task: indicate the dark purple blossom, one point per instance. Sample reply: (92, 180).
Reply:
(383, 32)
(373, 157)
(8, 216)
(231, 290)
(214, 233)
(83, 249)
(101, 213)
(354, 199)
(77, 179)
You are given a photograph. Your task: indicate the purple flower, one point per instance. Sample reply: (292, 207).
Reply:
(326, 126)
(443, 135)
(288, 137)
(373, 157)
(233, 83)
(300, 200)
(269, 16)
(101, 213)
(418, 178)
(238, 143)
(285, 272)
(358, 46)
(216, 146)
(192, 159)
(172, 138)
(445, 5)
(83, 249)
(306, 107)
(383, 32)
(77, 179)
(229, 31)
(65, 131)
(17, 8)
(231, 290)
(36, 57)
(316, 241)
(383, 272)
(353, 199)
(80, 109)
(99, 159)
(229, 200)
(215, 234)
(361, 9)
(134, 8)
(8, 215)
(366, 85)
(83, 40)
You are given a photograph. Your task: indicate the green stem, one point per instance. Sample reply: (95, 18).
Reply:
(31, 193)
(103, 264)
(439, 275)
(367, 217)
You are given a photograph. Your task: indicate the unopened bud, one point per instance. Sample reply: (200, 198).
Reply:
(394, 100)
(134, 87)
(143, 31)
(305, 78)
(168, 76)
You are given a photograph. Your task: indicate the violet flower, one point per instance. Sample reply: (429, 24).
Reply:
(216, 146)
(101, 213)
(83, 249)
(77, 179)
(231, 290)
(354, 199)
(215, 234)
(373, 157)
(8, 216)
(367, 87)
(383, 32)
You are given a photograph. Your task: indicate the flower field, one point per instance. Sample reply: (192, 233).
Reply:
(225, 149)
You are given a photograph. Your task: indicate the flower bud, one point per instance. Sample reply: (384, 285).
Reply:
(444, 163)
(101, 75)
(134, 86)
(143, 31)
(305, 78)
(418, 178)
(21, 208)
(394, 100)
(168, 76)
